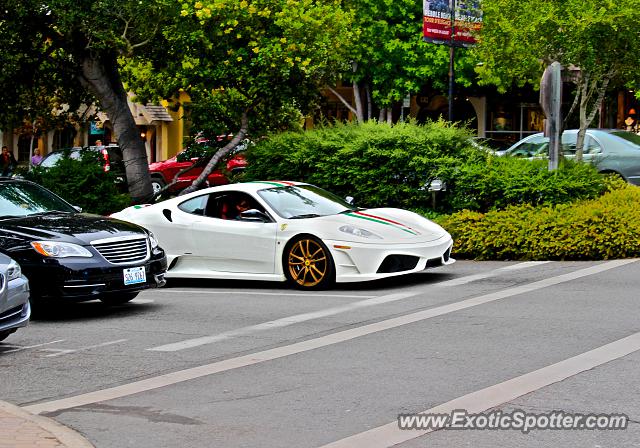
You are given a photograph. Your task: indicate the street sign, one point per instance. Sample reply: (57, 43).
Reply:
(437, 24)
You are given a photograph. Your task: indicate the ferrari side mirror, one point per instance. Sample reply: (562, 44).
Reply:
(254, 215)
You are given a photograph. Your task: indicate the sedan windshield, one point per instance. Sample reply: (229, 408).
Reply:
(304, 201)
(24, 199)
(53, 158)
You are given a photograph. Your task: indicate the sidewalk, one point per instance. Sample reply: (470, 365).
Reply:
(20, 429)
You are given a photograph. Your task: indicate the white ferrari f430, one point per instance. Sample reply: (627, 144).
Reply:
(290, 231)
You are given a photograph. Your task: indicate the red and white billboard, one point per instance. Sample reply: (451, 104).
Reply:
(437, 21)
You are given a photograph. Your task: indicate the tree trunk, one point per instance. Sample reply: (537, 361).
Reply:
(390, 115)
(369, 104)
(33, 136)
(582, 112)
(213, 162)
(587, 88)
(382, 115)
(356, 97)
(101, 77)
(358, 101)
(343, 101)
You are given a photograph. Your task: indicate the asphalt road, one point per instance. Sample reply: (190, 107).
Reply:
(246, 364)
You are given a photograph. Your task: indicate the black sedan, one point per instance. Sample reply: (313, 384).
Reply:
(66, 254)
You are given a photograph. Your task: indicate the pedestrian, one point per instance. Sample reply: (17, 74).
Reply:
(7, 162)
(36, 158)
(99, 143)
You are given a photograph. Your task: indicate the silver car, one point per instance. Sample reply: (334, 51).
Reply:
(14, 297)
(610, 150)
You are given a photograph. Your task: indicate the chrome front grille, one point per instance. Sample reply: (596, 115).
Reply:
(123, 250)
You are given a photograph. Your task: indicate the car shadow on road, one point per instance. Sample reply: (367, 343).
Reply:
(70, 311)
(419, 278)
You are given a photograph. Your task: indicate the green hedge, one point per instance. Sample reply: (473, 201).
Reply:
(377, 164)
(382, 165)
(602, 228)
(497, 182)
(83, 183)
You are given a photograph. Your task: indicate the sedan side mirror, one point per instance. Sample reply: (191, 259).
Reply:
(78, 208)
(254, 215)
(349, 199)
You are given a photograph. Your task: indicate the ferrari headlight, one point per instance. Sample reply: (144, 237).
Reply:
(357, 231)
(13, 271)
(153, 240)
(57, 249)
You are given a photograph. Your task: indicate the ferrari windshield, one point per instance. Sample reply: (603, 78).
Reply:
(303, 201)
(23, 199)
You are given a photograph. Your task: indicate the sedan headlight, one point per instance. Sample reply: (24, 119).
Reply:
(153, 240)
(357, 231)
(60, 250)
(13, 271)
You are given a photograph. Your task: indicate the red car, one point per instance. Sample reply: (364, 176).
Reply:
(162, 173)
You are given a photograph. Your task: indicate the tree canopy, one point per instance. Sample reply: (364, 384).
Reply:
(245, 59)
(245, 63)
(596, 41)
(390, 59)
(59, 54)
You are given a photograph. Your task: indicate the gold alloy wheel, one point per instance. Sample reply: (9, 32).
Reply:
(307, 263)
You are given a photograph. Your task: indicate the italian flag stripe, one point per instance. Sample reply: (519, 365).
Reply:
(380, 221)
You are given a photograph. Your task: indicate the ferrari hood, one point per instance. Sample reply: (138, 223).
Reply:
(391, 224)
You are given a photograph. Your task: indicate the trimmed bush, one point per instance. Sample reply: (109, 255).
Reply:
(602, 228)
(82, 182)
(497, 182)
(382, 165)
(377, 164)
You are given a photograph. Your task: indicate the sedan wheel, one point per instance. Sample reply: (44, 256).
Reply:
(157, 184)
(308, 264)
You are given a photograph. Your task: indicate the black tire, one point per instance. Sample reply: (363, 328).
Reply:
(118, 299)
(307, 263)
(157, 184)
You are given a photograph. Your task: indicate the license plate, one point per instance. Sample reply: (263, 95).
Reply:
(133, 276)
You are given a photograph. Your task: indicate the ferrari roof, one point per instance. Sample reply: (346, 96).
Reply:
(249, 187)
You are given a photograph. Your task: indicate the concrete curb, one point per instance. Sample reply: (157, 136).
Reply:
(67, 436)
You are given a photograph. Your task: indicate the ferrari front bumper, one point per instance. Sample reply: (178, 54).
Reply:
(357, 262)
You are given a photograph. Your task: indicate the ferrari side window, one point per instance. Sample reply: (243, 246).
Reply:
(230, 205)
(194, 206)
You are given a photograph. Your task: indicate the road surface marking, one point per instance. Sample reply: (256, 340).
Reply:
(32, 346)
(280, 323)
(310, 344)
(305, 317)
(483, 275)
(60, 352)
(490, 397)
